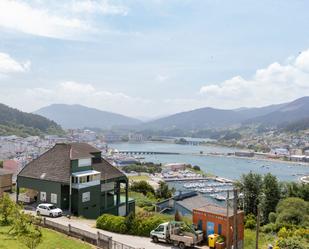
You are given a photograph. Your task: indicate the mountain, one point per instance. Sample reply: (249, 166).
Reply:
(288, 113)
(208, 118)
(15, 122)
(78, 116)
(198, 119)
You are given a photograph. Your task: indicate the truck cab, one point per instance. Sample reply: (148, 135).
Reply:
(160, 233)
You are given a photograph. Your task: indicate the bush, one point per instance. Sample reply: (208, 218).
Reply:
(142, 187)
(292, 243)
(140, 224)
(269, 228)
(250, 221)
(272, 217)
(112, 223)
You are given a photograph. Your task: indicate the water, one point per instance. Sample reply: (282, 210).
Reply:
(228, 167)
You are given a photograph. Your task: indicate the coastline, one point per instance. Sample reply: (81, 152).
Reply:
(254, 159)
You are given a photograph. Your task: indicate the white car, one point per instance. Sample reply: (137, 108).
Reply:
(49, 210)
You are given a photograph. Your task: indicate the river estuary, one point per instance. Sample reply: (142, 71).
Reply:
(229, 167)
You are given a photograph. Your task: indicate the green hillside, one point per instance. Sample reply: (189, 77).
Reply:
(15, 122)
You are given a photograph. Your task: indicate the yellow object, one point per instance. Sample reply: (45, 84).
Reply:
(212, 238)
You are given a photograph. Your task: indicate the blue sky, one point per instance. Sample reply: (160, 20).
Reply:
(147, 58)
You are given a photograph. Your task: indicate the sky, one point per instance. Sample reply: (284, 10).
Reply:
(150, 58)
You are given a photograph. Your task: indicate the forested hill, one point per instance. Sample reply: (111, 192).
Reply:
(15, 122)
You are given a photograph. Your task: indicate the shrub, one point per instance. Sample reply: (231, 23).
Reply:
(272, 217)
(250, 221)
(140, 224)
(292, 243)
(112, 223)
(142, 187)
(269, 228)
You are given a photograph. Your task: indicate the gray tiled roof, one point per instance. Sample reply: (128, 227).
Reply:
(193, 202)
(107, 170)
(82, 150)
(54, 164)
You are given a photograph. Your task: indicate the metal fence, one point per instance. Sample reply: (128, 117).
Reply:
(98, 239)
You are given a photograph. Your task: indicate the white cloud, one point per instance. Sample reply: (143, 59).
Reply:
(9, 65)
(274, 84)
(21, 16)
(98, 6)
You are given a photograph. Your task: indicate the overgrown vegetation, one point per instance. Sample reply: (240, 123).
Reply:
(284, 210)
(143, 187)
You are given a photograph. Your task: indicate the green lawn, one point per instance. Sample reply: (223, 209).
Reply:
(264, 240)
(50, 240)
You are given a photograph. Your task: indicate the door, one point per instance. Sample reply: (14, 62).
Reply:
(219, 229)
(160, 232)
(43, 210)
(200, 225)
(210, 228)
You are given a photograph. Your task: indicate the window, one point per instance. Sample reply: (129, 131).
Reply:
(160, 228)
(84, 162)
(43, 196)
(86, 197)
(53, 198)
(74, 179)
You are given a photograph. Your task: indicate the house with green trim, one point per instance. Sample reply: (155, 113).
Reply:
(75, 178)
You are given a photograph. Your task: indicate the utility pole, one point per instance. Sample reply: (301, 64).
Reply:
(227, 220)
(257, 227)
(235, 225)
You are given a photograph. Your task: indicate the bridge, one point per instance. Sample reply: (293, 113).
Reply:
(129, 152)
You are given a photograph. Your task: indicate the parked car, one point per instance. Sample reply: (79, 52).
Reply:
(49, 210)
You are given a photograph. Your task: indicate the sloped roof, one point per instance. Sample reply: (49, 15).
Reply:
(82, 150)
(193, 202)
(107, 170)
(215, 209)
(4, 172)
(55, 164)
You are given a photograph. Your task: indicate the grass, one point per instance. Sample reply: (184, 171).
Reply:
(50, 240)
(264, 239)
(139, 178)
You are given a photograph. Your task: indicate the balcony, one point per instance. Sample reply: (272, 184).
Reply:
(85, 179)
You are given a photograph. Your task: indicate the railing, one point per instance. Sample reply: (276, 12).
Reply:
(98, 239)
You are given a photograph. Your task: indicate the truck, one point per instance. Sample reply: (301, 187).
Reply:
(177, 233)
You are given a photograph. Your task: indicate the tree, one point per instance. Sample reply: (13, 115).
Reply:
(142, 187)
(271, 196)
(196, 167)
(32, 238)
(251, 185)
(8, 209)
(292, 211)
(164, 192)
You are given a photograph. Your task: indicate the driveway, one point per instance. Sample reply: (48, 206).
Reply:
(134, 241)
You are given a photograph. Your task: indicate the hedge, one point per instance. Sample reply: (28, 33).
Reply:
(140, 224)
